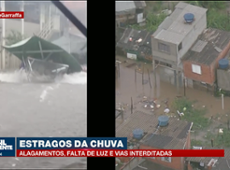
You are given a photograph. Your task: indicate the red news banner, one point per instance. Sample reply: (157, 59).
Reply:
(11, 15)
(119, 153)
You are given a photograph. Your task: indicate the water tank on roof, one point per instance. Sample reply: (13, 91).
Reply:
(163, 120)
(189, 17)
(138, 133)
(223, 63)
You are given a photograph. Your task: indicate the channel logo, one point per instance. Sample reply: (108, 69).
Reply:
(7, 147)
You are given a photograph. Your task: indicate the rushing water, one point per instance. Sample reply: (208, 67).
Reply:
(42, 110)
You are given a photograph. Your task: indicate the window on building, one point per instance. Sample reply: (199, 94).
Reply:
(196, 69)
(180, 47)
(166, 159)
(163, 47)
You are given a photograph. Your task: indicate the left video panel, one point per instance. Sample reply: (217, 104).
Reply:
(43, 79)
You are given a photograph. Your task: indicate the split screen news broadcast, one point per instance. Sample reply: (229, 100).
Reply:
(171, 84)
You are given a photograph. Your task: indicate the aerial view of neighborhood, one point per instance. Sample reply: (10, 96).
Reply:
(173, 81)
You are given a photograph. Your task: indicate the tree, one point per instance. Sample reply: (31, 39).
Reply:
(14, 37)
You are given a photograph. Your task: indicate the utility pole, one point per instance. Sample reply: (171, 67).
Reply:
(50, 19)
(69, 28)
(3, 36)
(177, 81)
(22, 9)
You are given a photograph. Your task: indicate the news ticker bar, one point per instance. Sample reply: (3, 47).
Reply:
(120, 153)
(87, 147)
(11, 14)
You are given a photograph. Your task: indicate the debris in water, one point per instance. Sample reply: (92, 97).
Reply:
(221, 130)
(166, 110)
(181, 114)
(13, 165)
(17, 159)
(203, 106)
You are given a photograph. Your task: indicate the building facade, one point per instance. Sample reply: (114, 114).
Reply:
(130, 12)
(201, 61)
(174, 37)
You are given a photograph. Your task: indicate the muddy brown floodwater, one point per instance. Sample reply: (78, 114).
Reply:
(126, 87)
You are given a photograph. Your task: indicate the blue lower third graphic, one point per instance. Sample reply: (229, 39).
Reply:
(7, 147)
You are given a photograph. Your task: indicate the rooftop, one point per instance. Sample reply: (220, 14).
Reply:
(151, 166)
(208, 46)
(173, 136)
(125, 6)
(173, 29)
(143, 46)
(221, 164)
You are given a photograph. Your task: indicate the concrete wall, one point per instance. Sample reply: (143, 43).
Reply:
(170, 58)
(223, 79)
(128, 18)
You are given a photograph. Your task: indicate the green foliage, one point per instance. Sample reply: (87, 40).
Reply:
(196, 143)
(191, 114)
(14, 37)
(152, 22)
(218, 20)
(219, 140)
(216, 15)
(157, 6)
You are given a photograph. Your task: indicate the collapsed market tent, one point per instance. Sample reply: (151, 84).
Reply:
(39, 48)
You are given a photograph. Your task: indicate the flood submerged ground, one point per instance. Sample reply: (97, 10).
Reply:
(42, 110)
(127, 87)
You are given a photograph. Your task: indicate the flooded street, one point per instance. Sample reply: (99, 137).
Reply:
(127, 87)
(43, 110)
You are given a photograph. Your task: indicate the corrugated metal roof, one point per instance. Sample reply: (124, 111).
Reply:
(221, 164)
(205, 160)
(213, 38)
(125, 5)
(158, 141)
(143, 46)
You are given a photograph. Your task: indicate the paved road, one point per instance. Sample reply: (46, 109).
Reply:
(30, 110)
